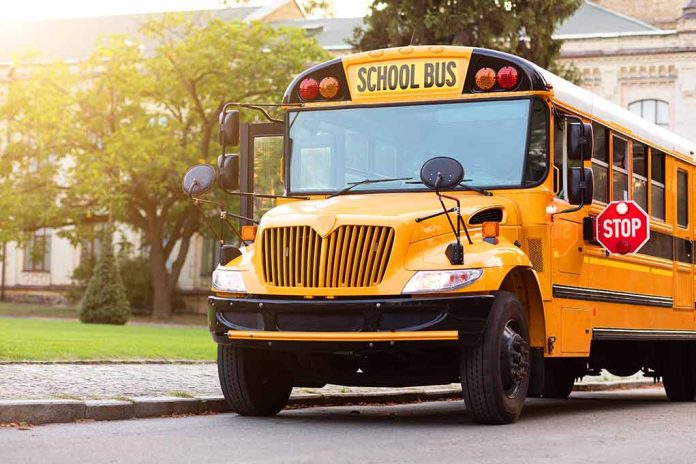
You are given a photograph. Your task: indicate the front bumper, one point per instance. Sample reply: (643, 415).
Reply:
(347, 323)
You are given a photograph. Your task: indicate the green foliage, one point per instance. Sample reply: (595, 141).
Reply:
(80, 279)
(522, 27)
(128, 124)
(135, 273)
(105, 300)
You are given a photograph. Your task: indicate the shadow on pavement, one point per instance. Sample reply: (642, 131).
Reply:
(445, 413)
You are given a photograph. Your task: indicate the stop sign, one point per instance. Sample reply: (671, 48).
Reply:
(622, 227)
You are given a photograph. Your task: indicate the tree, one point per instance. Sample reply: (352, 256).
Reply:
(146, 108)
(105, 300)
(522, 27)
(34, 106)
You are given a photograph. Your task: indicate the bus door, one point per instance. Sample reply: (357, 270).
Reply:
(567, 245)
(683, 245)
(261, 166)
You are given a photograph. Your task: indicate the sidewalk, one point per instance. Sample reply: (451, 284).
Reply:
(86, 381)
(45, 393)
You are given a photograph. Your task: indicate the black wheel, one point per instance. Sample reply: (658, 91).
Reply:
(678, 372)
(254, 382)
(559, 378)
(495, 371)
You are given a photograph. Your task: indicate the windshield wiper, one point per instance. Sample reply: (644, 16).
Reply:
(480, 190)
(352, 185)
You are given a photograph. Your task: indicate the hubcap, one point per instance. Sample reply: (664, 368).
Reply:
(514, 361)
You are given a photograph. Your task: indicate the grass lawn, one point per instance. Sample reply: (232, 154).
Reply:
(64, 340)
(10, 309)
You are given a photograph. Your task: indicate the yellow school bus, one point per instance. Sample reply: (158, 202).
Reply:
(433, 224)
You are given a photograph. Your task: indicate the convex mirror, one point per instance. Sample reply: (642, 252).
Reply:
(199, 179)
(442, 172)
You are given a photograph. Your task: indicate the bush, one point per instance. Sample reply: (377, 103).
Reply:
(80, 279)
(135, 273)
(105, 299)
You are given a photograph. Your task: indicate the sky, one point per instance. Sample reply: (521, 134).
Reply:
(31, 10)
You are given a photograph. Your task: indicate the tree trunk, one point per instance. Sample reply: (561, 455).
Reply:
(161, 294)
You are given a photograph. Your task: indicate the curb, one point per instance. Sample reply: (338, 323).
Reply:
(62, 411)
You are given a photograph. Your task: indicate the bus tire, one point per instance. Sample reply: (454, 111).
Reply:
(559, 379)
(495, 371)
(678, 372)
(254, 382)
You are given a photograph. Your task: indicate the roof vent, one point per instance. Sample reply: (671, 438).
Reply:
(487, 215)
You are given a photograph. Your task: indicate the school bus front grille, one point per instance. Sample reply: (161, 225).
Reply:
(351, 256)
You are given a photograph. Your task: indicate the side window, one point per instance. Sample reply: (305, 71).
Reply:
(640, 174)
(558, 157)
(657, 184)
(600, 163)
(537, 161)
(620, 168)
(682, 199)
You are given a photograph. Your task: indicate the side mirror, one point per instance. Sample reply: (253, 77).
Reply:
(580, 140)
(228, 253)
(198, 180)
(228, 167)
(229, 128)
(442, 172)
(580, 188)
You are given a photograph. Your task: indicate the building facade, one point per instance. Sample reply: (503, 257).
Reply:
(640, 55)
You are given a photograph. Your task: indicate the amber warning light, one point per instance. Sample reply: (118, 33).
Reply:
(506, 78)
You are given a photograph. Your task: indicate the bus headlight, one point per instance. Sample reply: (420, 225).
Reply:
(434, 281)
(228, 281)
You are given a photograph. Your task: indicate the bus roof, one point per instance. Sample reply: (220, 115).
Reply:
(616, 116)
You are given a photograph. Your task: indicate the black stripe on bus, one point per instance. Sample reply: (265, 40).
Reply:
(643, 334)
(607, 296)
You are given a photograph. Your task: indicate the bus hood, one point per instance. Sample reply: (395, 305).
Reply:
(399, 210)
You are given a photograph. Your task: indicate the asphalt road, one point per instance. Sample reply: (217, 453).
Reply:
(617, 427)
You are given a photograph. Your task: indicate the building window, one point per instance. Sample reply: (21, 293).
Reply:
(655, 111)
(37, 252)
(600, 163)
(640, 174)
(657, 184)
(682, 199)
(620, 168)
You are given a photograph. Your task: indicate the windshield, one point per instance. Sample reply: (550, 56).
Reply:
(332, 148)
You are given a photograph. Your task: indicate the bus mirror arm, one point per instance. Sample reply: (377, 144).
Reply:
(455, 250)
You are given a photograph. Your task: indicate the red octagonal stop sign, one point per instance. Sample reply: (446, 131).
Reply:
(622, 227)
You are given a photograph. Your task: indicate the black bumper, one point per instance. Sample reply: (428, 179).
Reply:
(465, 314)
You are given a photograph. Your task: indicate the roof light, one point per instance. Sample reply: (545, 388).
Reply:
(485, 78)
(508, 77)
(309, 89)
(329, 87)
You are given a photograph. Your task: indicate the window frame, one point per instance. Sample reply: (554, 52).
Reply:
(657, 102)
(42, 265)
(685, 173)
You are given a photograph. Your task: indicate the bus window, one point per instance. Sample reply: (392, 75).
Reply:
(558, 157)
(384, 159)
(312, 161)
(537, 161)
(682, 199)
(640, 174)
(620, 169)
(657, 184)
(600, 163)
